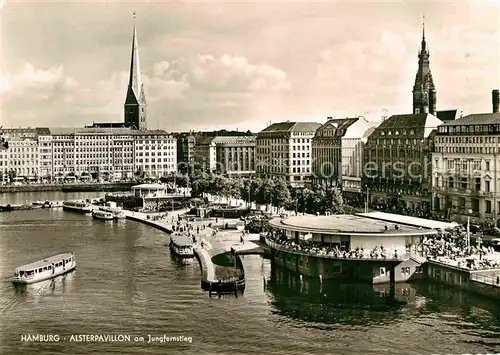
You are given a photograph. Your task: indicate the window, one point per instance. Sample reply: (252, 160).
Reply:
(488, 207)
(487, 166)
(487, 188)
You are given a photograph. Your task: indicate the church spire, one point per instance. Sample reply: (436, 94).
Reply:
(135, 102)
(135, 68)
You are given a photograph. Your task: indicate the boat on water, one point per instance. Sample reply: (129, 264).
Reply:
(45, 269)
(182, 245)
(118, 213)
(98, 214)
(77, 206)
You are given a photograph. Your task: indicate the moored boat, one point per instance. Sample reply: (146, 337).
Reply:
(182, 245)
(45, 269)
(77, 206)
(118, 213)
(98, 214)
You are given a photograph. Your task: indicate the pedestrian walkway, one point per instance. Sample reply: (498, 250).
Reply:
(207, 266)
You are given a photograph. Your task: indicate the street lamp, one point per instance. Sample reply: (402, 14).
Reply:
(467, 240)
(367, 198)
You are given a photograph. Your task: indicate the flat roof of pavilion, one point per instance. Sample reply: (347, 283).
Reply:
(407, 220)
(345, 224)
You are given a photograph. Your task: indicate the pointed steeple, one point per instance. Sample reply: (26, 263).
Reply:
(135, 81)
(135, 101)
(424, 92)
(423, 34)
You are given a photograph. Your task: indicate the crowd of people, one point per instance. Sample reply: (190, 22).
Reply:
(316, 249)
(449, 246)
(452, 249)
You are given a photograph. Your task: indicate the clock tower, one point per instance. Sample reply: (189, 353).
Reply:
(424, 91)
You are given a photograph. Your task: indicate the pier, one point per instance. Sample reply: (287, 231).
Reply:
(215, 279)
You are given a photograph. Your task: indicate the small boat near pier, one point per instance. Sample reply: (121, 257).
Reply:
(98, 214)
(45, 269)
(77, 206)
(182, 245)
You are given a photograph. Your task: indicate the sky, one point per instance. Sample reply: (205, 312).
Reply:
(240, 65)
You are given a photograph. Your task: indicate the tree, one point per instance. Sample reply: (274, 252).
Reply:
(265, 192)
(281, 196)
(199, 183)
(334, 203)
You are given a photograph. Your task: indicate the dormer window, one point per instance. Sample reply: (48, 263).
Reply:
(389, 133)
(382, 133)
(412, 131)
(397, 133)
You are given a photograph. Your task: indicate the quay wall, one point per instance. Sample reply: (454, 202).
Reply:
(61, 187)
(482, 282)
(208, 277)
(149, 222)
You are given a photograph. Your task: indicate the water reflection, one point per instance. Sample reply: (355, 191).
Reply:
(335, 301)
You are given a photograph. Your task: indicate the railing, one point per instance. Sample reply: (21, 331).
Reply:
(486, 279)
(331, 255)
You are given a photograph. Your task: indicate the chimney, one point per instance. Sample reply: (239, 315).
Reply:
(496, 101)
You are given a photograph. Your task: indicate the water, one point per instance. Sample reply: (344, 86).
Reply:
(29, 197)
(127, 283)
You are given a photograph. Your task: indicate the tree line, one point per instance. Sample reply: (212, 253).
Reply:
(263, 191)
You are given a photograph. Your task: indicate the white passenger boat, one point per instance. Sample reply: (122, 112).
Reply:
(182, 245)
(118, 213)
(98, 214)
(45, 269)
(77, 206)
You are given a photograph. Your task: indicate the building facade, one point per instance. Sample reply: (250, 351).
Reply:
(337, 153)
(47, 154)
(284, 150)
(20, 161)
(397, 163)
(466, 166)
(235, 156)
(185, 151)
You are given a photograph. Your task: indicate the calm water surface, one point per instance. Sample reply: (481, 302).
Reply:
(127, 283)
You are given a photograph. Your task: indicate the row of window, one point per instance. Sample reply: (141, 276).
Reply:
(467, 150)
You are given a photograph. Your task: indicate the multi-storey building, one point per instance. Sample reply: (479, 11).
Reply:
(466, 166)
(20, 161)
(113, 153)
(397, 162)
(337, 152)
(235, 156)
(204, 153)
(45, 154)
(185, 151)
(283, 150)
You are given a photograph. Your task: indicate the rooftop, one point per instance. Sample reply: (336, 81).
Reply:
(344, 224)
(45, 262)
(293, 127)
(181, 240)
(101, 130)
(407, 220)
(448, 115)
(475, 119)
